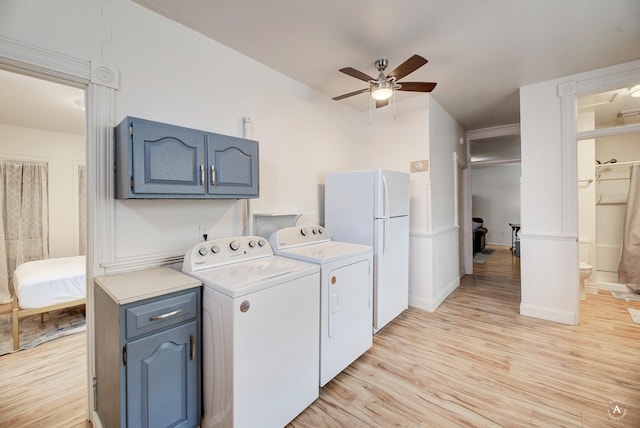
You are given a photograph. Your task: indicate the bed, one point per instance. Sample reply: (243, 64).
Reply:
(47, 285)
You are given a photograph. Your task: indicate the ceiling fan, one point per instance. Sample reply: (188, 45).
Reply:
(383, 87)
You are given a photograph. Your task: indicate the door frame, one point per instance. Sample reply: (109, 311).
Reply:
(569, 92)
(100, 82)
(473, 135)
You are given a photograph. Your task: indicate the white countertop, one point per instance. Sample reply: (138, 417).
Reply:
(133, 286)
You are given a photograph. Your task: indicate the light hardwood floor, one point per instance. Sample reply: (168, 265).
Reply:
(474, 362)
(45, 386)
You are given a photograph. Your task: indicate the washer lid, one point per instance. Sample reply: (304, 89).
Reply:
(325, 252)
(242, 278)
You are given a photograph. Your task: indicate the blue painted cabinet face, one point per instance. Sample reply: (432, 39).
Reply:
(233, 166)
(167, 159)
(162, 161)
(162, 379)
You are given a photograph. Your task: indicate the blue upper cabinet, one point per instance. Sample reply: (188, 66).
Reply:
(166, 159)
(160, 161)
(233, 166)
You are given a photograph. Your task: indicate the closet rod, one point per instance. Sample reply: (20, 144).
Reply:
(612, 178)
(617, 163)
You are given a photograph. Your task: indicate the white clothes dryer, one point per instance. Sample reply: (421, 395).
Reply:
(260, 315)
(346, 290)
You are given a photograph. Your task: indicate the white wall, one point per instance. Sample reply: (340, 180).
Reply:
(549, 255)
(421, 130)
(434, 269)
(393, 143)
(63, 153)
(496, 199)
(444, 140)
(172, 74)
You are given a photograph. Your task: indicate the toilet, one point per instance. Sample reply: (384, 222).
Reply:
(585, 272)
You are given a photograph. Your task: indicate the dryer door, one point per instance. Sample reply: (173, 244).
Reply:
(349, 297)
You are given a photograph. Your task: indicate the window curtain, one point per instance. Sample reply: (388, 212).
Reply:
(82, 211)
(629, 268)
(24, 230)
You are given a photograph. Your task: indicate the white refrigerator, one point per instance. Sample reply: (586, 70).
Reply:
(371, 207)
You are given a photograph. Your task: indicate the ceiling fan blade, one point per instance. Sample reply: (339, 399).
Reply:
(350, 94)
(357, 74)
(381, 103)
(407, 67)
(417, 86)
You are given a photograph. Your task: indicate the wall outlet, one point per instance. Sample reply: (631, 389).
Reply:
(420, 166)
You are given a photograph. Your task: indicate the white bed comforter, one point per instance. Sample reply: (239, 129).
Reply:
(50, 281)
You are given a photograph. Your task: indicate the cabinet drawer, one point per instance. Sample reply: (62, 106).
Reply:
(148, 317)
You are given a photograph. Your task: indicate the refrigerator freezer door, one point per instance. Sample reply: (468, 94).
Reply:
(391, 194)
(391, 270)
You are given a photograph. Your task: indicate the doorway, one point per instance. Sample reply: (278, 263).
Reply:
(100, 82)
(604, 159)
(42, 123)
(494, 194)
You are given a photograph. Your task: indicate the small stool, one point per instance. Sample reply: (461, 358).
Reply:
(515, 228)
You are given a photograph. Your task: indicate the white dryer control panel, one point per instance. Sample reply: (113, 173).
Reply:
(299, 235)
(218, 252)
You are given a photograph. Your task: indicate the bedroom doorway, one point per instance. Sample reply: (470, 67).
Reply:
(43, 123)
(100, 82)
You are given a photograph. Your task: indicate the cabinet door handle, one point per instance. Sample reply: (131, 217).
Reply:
(202, 175)
(167, 315)
(213, 175)
(193, 347)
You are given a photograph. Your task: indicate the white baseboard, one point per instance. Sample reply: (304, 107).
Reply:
(608, 286)
(96, 421)
(431, 305)
(549, 314)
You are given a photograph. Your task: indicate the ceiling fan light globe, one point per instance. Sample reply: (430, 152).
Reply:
(635, 91)
(382, 93)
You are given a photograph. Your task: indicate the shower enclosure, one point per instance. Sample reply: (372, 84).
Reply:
(604, 164)
(612, 188)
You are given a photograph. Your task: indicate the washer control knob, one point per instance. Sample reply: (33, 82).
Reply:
(261, 242)
(303, 231)
(202, 251)
(234, 245)
(215, 249)
(252, 243)
(320, 230)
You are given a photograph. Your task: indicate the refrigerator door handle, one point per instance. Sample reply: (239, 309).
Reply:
(384, 235)
(385, 197)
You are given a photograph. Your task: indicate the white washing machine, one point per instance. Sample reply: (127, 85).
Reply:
(260, 315)
(346, 289)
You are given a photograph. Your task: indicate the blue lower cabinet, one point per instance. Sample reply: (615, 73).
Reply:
(148, 360)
